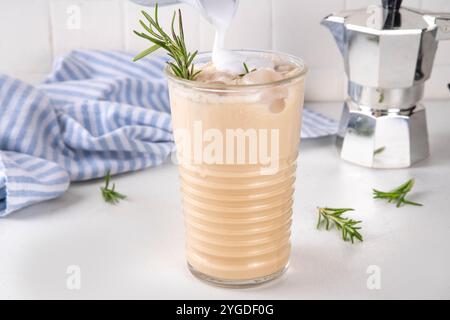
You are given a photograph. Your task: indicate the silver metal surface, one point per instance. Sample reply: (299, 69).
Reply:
(382, 99)
(388, 56)
(443, 23)
(383, 139)
(376, 54)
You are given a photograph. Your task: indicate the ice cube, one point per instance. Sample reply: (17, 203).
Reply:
(210, 74)
(259, 63)
(285, 68)
(261, 76)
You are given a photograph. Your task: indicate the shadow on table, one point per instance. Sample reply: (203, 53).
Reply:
(308, 273)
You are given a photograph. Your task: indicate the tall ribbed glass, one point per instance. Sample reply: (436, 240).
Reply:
(237, 147)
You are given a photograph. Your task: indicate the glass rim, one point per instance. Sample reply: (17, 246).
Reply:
(240, 87)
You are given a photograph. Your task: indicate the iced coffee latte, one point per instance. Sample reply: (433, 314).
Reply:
(237, 137)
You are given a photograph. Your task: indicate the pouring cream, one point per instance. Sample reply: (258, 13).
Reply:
(220, 13)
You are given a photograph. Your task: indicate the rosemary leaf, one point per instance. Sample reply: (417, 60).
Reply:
(379, 150)
(146, 52)
(246, 68)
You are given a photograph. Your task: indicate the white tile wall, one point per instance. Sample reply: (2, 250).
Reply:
(25, 43)
(297, 31)
(33, 32)
(86, 24)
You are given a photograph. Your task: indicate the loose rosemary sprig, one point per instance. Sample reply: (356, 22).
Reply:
(175, 45)
(397, 195)
(348, 227)
(111, 195)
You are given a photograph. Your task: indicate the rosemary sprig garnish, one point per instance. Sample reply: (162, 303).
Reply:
(397, 195)
(175, 45)
(111, 195)
(348, 227)
(246, 70)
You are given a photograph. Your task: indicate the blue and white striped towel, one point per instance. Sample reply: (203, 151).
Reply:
(96, 112)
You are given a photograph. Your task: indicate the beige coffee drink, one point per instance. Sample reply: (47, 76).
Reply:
(236, 118)
(237, 139)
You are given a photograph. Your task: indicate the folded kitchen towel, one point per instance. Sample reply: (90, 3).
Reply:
(96, 112)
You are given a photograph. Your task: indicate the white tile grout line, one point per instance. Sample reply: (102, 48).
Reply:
(50, 32)
(272, 23)
(122, 18)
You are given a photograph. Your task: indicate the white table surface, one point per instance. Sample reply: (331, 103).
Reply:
(136, 249)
